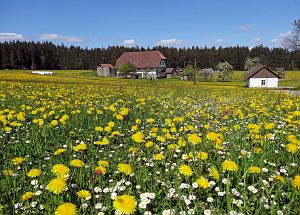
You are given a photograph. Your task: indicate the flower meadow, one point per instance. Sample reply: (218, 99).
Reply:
(92, 149)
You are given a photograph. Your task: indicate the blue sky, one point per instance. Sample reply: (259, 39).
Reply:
(102, 23)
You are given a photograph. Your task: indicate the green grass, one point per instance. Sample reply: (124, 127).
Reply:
(292, 78)
(252, 127)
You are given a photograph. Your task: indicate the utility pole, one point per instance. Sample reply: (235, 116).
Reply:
(194, 73)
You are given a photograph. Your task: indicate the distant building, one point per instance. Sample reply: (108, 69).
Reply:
(147, 63)
(106, 70)
(42, 72)
(170, 72)
(262, 76)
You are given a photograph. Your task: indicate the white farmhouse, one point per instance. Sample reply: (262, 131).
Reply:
(147, 63)
(262, 76)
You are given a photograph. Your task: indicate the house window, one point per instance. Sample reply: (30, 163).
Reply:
(263, 82)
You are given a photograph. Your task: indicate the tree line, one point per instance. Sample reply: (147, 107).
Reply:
(48, 56)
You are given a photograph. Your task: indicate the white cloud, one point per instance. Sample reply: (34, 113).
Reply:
(73, 39)
(60, 38)
(286, 34)
(49, 37)
(251, 47)
(245, 27)
(170, 42)
(256, 39)
(10, 36)
(220, 40)
(281, 37)
(275, 40)
(129, 42)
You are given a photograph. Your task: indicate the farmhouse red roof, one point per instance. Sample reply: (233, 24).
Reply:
(147, 59)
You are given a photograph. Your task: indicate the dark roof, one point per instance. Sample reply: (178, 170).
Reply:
(261, 72)
(170, 70)
(106, 65)
(148, 59)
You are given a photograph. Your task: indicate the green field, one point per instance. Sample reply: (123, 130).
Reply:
(292, 78)
(74, 143)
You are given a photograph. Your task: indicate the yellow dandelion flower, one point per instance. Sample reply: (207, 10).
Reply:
(111, 124)
(101, 169)
(103, 163)
(84, 194)
(80, 147)
(66, 209)
(257, 150)
(202, 155)
(279, 178)
(8, 172)
(160, 139)
(119, 117)
(133, 149)
(244, 153)
(54, 122)
(57, 185)
(149, 144)
(125, 168)
(124, 111)
(212, 136)
(108, 129)
(104, 141)
(229, 165)
(269, 126)
(254, 169)
(72, 134)
(150, 120)
(77, 163)
(185, 170)
(18, 160)
(296, 182)
(292, 148)
(98, 128)
(27, 196)
(138, 137)
(125, 204)
(173, 130)
(134, 128)
(60, 170)
(159, 157)
(34, 173)
(203, 182)
(172, 146)
(214, 173)
(7, 129)
(291, 137)
(187, 156)
(181, 141)
(59, 151)
(194, 139)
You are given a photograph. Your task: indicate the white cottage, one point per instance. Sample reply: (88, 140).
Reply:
(262, 76)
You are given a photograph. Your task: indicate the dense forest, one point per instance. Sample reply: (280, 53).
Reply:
(46, 55)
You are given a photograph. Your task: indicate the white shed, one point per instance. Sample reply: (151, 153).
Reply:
(262, 77)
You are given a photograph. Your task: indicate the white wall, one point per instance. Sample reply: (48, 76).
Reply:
(42, 72)
(256, 82)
